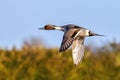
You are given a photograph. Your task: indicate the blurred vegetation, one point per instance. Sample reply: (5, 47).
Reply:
(35, 62)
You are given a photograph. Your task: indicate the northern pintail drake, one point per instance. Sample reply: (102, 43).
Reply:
(73, 35)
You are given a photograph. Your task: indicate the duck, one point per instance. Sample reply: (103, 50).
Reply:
(74, 36)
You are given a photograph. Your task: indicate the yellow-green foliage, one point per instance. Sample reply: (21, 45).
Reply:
(37, 63)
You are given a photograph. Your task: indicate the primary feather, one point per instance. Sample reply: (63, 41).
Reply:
(67, 40)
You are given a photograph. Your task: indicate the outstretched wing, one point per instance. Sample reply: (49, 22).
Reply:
(67, 40)
(78, 50)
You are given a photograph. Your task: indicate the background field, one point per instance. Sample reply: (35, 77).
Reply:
(35, 62)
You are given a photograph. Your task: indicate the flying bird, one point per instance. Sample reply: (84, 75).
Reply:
(73, 35)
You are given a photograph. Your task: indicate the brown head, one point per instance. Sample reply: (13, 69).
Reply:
(48, 27)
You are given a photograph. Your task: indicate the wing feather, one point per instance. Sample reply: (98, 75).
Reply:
(78, 50)
(66, 44)
(67, 40)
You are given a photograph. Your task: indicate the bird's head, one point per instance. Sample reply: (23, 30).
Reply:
(52, 27)
(48, 27)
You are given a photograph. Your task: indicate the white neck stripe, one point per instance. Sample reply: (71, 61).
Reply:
(77, 34)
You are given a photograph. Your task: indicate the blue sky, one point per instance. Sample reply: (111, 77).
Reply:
(20, 19)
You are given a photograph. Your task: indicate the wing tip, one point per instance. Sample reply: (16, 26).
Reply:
(61, 50)
(77, 63)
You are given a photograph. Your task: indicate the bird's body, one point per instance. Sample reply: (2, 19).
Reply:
(73, 35)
